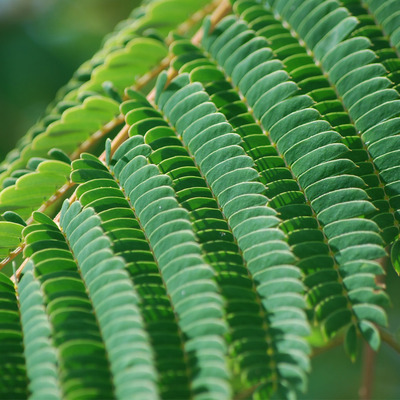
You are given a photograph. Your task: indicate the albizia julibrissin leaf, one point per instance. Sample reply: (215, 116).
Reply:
(314, 159)
(241, 201)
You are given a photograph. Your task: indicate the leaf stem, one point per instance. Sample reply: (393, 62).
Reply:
(337, 341)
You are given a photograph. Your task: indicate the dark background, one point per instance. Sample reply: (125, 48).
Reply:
(42, 43)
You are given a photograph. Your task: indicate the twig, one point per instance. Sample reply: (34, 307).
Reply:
(11, 256)
(365, 391)
(97, 136)
(223, 9)
(17, 274)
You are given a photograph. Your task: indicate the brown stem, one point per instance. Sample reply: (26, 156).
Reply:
(367, 382)
(223, 9)
(11, 256)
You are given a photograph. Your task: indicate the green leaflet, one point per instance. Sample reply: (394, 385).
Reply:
(395, 256)
(224, 234)
(123, 65)
(35, 188)
(40, 353)
(10, 237)
(13, 383)
(386, 14)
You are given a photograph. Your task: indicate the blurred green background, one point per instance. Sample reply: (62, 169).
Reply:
(42, 42)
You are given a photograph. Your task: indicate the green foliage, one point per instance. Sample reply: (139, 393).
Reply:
(245, 205)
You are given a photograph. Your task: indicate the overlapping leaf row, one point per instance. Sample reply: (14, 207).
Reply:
(285, 195)
(188, 279)
(361, 286)
(192, 291)
(239, 196)
(40, 353)
(69, 333)
(249, 348)
(309, 77)
(32, 189)
(80, 324)
(386, 13)
(238, 193)
(359, 81)
(81, 321)
(115, 304)
(100, 191)
(304, 235)
(13, 381)
(368, 27)
(218, 245)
